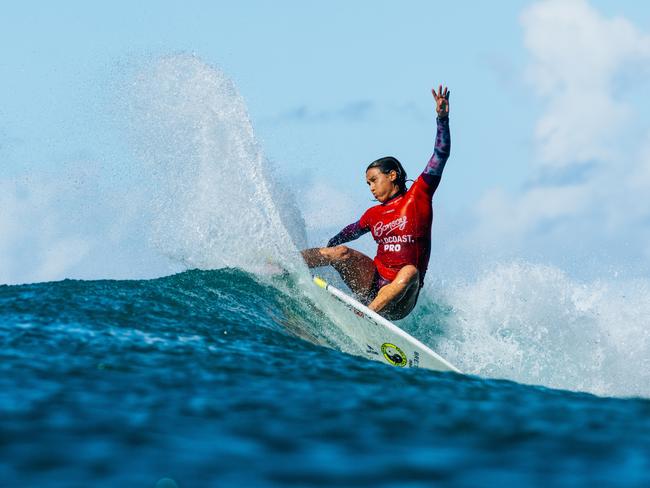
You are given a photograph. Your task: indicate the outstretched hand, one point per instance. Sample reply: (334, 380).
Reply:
(442, 101)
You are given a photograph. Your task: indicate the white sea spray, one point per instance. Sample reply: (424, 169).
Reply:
(534, 324)
(214, 199)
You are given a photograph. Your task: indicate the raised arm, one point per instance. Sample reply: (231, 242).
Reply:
(433, 171)
(349, 233)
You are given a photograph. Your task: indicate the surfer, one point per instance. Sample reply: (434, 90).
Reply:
(401, 226)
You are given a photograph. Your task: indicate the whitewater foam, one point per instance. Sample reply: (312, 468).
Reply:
(534, 324)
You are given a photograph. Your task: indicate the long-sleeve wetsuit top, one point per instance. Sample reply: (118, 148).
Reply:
(402, 225)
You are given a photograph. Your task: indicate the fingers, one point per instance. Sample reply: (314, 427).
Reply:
(442, 99)
(441, 93)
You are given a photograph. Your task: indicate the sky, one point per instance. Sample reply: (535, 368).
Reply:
(549, 118)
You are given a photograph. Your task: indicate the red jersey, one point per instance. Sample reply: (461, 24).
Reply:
(401, 228)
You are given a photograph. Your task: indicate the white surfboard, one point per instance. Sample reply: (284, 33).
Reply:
(382, 340)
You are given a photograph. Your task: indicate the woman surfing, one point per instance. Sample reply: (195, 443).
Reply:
(401, 226)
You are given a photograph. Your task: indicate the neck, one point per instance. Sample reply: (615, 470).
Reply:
(395, 193)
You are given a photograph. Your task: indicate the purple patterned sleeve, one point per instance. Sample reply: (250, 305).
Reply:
(433, 170)
(349, 233)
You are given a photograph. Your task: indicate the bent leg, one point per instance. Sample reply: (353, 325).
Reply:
(400, 295)
(356, 269)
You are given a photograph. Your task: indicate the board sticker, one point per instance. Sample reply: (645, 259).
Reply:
(393, 354)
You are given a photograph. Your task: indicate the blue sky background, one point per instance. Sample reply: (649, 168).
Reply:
(332, 86)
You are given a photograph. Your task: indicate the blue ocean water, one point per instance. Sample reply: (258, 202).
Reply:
(200, 377)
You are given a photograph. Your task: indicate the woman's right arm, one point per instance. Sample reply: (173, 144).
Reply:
(349, 233)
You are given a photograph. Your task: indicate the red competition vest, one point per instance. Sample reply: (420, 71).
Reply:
(401, 228)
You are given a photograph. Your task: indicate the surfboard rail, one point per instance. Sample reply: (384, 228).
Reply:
(438, 362)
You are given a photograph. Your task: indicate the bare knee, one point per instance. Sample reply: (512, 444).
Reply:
(408, 275)
(337, 254)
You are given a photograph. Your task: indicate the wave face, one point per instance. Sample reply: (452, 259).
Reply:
(213, 377)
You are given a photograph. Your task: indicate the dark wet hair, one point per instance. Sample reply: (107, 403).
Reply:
(388, 164)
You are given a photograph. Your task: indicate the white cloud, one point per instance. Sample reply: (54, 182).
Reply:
(67, 225)
(639, 177)
(59, 257)
(508, 219)
(578, 58)
(36, 241)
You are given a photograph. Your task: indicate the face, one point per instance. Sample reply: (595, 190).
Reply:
(382, 186)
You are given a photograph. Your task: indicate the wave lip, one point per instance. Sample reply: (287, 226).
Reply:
(214, 200)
